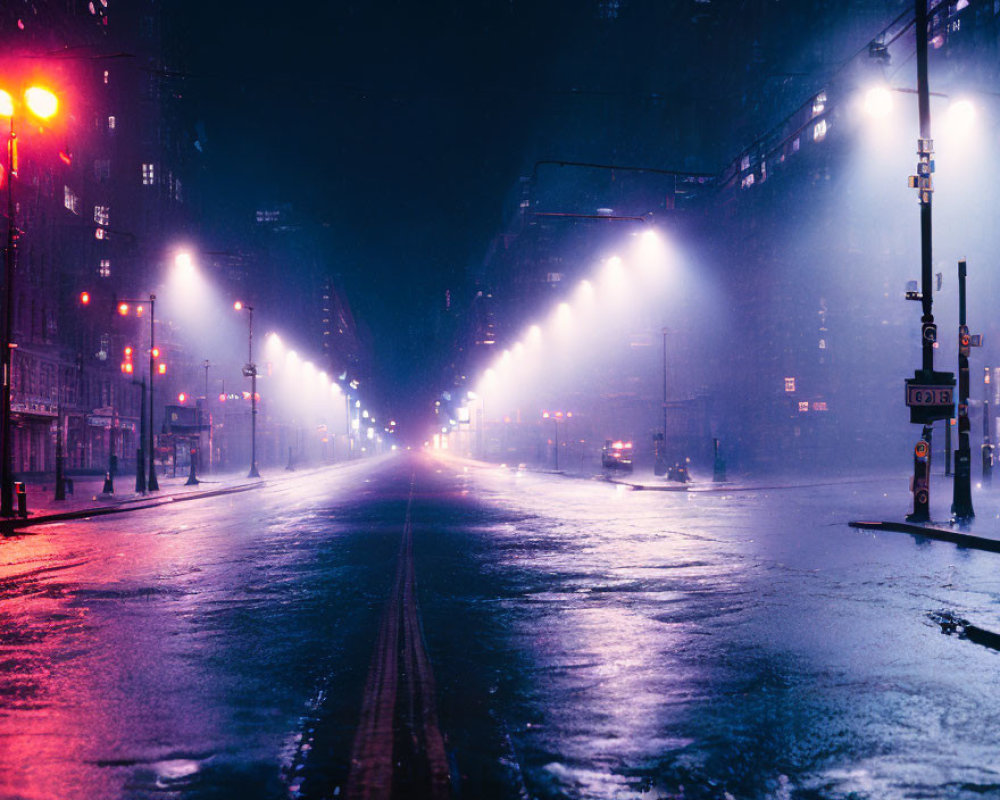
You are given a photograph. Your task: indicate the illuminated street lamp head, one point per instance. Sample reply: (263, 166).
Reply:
(184, 264)
(6, 104)
(961, 117)
(238, 305)
(878, 102)
(123, 309)
(42, 102)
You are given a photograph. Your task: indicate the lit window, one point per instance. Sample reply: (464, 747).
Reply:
(106, 76)
(111, 123)
(803, 405)
(819, 103)
(70, 200)
(104, 269)
(102, 215)
(748, 181)
(99, 233)
(819, 405)
(148, 175)
(796, 144)
(822, 344)
(789, 384)
(819, 131)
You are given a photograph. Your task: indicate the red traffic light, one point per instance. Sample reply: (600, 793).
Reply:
(84, 298)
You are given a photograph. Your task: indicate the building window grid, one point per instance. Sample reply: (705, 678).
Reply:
(102, 215)
(104, 268)
(148, 174)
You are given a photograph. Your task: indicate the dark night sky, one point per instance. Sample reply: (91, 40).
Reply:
(405, 126)
(402, 125)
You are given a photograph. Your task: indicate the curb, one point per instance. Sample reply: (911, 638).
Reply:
(8, 527)
(966, 540)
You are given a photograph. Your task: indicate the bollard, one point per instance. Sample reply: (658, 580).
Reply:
(109, 484)
(192, 480)
(22, 499)
(719, 464)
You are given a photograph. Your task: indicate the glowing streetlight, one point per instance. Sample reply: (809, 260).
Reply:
(41, 102)
(961, 116)
(878, 102)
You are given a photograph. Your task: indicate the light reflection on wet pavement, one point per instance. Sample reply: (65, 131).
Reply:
(588, 642)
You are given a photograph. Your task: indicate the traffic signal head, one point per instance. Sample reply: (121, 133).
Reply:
(84, 298)
(922, 450)
(123, 309)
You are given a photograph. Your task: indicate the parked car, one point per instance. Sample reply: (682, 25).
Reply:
(617, 456)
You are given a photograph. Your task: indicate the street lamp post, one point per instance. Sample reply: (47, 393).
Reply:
(150, 481)
(43, 104)
(250, 371)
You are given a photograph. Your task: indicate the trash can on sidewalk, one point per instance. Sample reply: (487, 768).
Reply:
(22, 499)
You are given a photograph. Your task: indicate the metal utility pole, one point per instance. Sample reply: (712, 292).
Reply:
(929, 394)
(151, 483)
(961, 505)
(7, 345)
(987, 440)
(140, 453)
(60, 492)
(250, 371)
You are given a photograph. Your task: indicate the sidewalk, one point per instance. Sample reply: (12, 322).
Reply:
(87, 498)
(982, 532)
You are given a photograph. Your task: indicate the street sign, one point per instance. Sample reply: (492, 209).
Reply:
(917, 395)
(930, 396)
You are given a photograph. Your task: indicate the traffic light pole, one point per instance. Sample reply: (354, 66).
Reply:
(923, 184)
(961, 505)
(987, 440)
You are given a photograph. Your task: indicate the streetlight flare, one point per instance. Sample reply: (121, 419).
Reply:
(238, 305)
(878, 102)
(961, 116)
(6, 104)
(42, 102)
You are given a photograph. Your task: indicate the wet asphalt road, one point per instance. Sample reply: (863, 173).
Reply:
(556, 637)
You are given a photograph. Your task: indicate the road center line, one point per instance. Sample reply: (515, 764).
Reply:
(398, 748)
